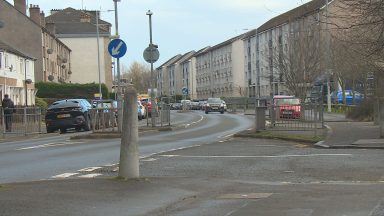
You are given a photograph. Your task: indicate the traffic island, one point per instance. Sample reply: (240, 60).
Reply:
(117, 135)
(295, 136)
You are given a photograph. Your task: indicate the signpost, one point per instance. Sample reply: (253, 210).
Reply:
(117, 49)
(184, 90)
(151, 54)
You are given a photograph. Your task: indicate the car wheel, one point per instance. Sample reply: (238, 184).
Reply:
(87, 126)
(222, 112)
(78, 129)
(63, 130)
(206, 112)
(140, 117)
(50, 130)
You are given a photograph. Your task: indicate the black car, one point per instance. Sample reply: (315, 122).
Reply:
(70, 113)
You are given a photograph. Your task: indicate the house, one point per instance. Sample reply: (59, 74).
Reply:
(17, 76)
(77, 29)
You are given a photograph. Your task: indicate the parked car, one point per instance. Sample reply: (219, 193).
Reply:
(176, 106)
(70, 113)
(214, 105)
(195, 105)
(225, 105)
(141, 112)
(338, 97)
(287, 106)
(202, 105)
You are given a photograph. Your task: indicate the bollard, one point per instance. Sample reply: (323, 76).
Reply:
(129, 152)
(260, 118)
(381, 118)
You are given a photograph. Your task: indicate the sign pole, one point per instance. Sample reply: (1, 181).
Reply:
(119, 99)
(153, 103)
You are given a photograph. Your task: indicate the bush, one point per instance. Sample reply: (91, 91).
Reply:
(69, 90)
(362, 112)
(39, 102)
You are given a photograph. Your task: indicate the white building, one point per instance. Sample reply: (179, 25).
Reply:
(77, 29)
(162, 77)
(16, 76)
(220, 70)
(274, 38)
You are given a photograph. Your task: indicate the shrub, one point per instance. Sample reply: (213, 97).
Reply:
(39, 102)
(363, 111)
(70, 90)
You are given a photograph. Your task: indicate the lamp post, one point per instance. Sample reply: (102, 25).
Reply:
(153, 123)
(118, 92)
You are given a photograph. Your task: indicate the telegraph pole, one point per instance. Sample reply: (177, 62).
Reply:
(119, 99)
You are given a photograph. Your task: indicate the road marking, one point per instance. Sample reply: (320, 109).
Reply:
(93, 175)
(256, 156)
(148, 160)
(49, 145)
(89, 169)
(64, 175)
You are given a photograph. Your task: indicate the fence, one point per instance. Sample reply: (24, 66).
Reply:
(162, 115)
(305, 116)
(103, 119)
(21, 121)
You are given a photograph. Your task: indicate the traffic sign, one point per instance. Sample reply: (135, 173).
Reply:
(117, 48)
(184, 90)
(151, 54)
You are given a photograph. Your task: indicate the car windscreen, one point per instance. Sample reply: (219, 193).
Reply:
(64, 104)
(214, 100)
(288, 101)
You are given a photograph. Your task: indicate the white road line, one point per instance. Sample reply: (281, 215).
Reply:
(93, 175)
(64, 175)
(256, 156)
(149, 160)
(49, 145)
(89, 169)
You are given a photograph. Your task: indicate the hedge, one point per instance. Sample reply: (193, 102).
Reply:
(70, 90)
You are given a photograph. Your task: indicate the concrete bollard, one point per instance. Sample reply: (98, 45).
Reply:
(260, 118)
(381, 118)
(129, 151)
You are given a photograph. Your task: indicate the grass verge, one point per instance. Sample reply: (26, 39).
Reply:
(282, 136)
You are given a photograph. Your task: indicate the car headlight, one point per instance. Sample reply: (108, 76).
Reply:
(221, 105)
(207, 105)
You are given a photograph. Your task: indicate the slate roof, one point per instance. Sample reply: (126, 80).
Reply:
(186, 56)
(295, 13)
(169, 61)
(6, 47)
(67, 21)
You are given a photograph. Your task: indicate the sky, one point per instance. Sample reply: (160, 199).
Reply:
(179, 26)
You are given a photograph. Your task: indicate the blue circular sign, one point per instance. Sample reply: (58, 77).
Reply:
(185, 91)
(117, 48)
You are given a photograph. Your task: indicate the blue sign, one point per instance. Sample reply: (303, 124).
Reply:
(185, 91)
(117, 48)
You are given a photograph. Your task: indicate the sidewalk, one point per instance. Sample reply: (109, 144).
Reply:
(344, 133)
(89, 197)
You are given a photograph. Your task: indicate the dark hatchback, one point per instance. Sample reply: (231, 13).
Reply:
(70, 113)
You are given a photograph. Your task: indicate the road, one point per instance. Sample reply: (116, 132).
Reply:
(45, 158)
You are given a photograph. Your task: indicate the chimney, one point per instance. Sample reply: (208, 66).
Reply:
(42, 19)
(50, 26)
(85, 17)
(34, 13)
(20, 5)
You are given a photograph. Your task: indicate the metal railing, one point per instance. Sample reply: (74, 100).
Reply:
(21, 121)
(103, 119)
(162, 116)
(305, 116)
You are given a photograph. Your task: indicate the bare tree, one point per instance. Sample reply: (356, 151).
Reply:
(139, 75)
(298, 63)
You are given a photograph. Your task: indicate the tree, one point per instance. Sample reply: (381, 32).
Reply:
(139, 75)
(298, 62)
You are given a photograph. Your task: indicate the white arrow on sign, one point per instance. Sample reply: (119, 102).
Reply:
(115, 50)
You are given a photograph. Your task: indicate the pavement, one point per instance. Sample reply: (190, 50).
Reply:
(156, 195)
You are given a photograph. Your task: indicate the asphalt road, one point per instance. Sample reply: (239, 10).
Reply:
(48, 157)
(272, 177)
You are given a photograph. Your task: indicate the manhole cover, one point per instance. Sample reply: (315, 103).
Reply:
(245, 196)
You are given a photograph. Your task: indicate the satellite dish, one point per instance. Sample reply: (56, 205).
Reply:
(51, 78)
(28, 81)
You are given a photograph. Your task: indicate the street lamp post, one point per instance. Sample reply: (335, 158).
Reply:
(98, 53)
(153, 123)
(118, 92)
(25, 82)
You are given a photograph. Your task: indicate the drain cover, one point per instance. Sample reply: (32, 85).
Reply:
(245, 196)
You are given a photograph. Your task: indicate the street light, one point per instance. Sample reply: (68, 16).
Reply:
(98, 49)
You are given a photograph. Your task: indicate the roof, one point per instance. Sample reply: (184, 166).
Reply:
(186, 56)
(6, 47)
(169, 61)
(300, 11)
(67, 21)
(225, 43)
(249, 34)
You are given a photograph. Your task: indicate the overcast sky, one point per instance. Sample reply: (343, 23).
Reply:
(179, 26)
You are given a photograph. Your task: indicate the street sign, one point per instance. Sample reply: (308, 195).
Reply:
(151, 54)
(184, 90)
(117, 48)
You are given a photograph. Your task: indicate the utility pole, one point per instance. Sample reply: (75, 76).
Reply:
(119, 99)
(153, 104)
(327, 59)
(98, 52)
